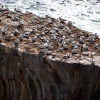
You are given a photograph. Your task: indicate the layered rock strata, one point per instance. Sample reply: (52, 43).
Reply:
(27, 73)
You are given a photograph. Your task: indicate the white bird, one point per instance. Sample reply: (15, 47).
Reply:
(66, 56)
(16, 43)
(53, 37)
(16, 32)
(96, 36)
(15, 18)
(21, 35)
(54, 54)
(81, 40)
(34, 38)
(93, 61)
(9, 35)
(81, 33)
(3, 31)
(69, 24)
(45, 45)
(84, 47)
(92, 54)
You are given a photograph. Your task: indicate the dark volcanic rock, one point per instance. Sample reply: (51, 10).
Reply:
(25, 76)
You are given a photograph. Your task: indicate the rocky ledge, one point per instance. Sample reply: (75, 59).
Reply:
(47, 59)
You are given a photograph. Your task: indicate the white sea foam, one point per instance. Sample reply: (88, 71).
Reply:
(84, 14)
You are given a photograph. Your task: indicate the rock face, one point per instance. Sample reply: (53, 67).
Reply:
(47, 59)
(25, 76)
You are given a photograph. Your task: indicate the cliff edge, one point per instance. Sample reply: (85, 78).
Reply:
(47, 63)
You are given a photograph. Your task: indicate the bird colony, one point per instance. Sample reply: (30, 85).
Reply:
(56, 39)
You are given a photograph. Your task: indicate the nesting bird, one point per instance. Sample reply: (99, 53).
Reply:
(96, 36)
(50, 47)
(2, 8)
(81, 33)
(21, 36)
(66, 56)
(44, 46)
(74, 51)
(93, 61)
(69, 24)
(20, 22)
(43, 51)
(9, 16)
(84, 47)
(32, 32)
(3, 31)
(61, 20)
(34, 38)
(92, 54)
(53, 37)
(15, 18)
(67, 30)
(44, 39)
(61, 49)
(16, 43)
(81, 40)
(20, 26)
(16, 32)
(54, 55)
(9, 35)
(65, 47)
(73, 36)
(17, 10)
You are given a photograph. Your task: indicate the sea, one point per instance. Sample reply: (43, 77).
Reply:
(84, 14)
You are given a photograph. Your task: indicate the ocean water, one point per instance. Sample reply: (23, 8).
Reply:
(84, 14)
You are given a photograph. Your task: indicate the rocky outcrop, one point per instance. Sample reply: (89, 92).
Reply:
(47, 59)
(24, 76)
